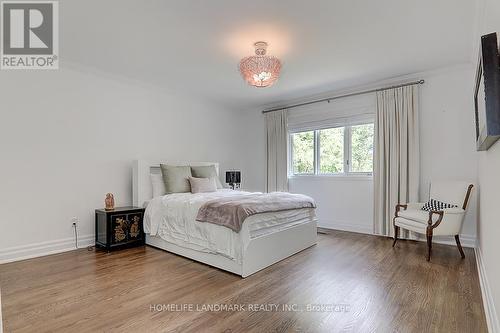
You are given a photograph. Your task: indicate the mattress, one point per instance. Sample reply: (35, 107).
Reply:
(173, 218)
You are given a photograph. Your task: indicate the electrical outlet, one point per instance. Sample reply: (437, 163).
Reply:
(74, 221)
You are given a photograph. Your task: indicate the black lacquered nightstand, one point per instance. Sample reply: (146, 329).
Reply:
(118, 228)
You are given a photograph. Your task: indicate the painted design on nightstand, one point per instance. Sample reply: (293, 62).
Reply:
(134, 228)
(121, 226)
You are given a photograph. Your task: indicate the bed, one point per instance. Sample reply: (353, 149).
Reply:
(264, 239)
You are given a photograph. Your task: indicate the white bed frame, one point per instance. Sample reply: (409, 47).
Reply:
(261, 252)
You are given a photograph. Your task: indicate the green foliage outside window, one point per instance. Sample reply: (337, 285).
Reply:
(303, 152)
(362, 148)
(331, 150)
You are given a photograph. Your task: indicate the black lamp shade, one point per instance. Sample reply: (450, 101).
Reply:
(233, 177)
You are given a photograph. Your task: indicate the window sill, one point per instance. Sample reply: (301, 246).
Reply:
(348, 177)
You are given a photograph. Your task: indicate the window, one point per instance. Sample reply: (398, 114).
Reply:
(362, 148)
(333, 151)
(303, 152)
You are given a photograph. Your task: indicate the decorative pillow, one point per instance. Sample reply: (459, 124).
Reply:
(158, 185)
(176, 178)
(201, 185)
(206, 171)
(437, 205)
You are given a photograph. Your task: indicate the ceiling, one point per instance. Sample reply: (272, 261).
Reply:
(195, 46)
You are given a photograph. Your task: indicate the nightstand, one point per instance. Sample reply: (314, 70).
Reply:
(119, 228)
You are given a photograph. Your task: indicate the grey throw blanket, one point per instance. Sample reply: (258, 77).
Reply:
(232, 211)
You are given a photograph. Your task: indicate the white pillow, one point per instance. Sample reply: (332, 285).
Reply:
(201, 185)
(158, 185)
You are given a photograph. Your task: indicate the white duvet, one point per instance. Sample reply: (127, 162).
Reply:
(173, 218)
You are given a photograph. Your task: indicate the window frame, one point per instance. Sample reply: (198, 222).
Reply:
(290, 154)
(317, 150)
(350, 148)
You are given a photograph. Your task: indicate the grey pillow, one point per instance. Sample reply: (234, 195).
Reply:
(201, 185)
(206, 171)
(176, 178)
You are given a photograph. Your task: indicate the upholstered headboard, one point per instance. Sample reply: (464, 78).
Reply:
(142, 190)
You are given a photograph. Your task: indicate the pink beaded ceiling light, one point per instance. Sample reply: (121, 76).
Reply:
(260, 70)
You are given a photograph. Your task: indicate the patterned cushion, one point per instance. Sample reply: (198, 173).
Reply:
(437, 205)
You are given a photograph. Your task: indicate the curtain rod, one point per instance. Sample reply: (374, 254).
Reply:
(342, 96)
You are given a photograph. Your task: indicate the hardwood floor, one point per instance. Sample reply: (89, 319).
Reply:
(376, 288)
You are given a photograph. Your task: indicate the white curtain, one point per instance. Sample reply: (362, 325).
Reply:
(396, 169)
(276, 124)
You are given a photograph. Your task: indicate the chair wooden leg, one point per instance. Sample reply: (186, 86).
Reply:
(396, 234)
(429, 244)
(457, 239)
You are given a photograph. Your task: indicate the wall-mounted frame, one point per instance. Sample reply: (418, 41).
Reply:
(487, 93)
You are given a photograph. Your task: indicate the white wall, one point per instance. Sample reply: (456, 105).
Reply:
(447, 153)
(489, 180)
(69, 136)
(489, 229)
(344, 203)
(447, 147)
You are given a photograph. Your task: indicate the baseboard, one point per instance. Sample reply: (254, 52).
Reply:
(1, 320)
(367, 228)
(465, 240)
(43, 248)
(488, 304)
(362, 228)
